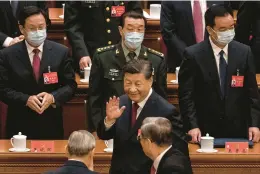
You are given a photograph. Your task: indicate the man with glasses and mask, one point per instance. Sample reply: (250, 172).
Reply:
(106, 77)
(36, 78)
(218, 91)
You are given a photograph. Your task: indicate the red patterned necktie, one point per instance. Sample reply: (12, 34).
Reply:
(153, 171)
(197, 20)
(135, 106)
(36, 64)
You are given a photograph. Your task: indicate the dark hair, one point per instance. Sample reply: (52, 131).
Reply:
(132, 14)
(158, 130)
(216, 11)
(139, 66)
(29, 11)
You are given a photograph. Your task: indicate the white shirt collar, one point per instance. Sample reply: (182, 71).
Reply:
(30, 48)
(216, 49)
(142, 103)
(158, 159)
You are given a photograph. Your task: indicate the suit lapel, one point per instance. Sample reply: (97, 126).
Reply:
(46, 54)
(23, 56)
(120, 57)
(210, 65)
(124, 121)
(232, 63)
(143, 53)
(146, 112)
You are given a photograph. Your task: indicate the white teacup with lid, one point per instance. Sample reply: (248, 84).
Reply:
(207, 143)
(19, 142)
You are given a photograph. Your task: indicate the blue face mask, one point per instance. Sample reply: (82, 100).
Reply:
(133, 39)
(225, 37)
(36, 38)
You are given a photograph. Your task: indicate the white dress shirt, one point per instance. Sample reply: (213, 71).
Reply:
(158, 159)
(31, 53)
(140, 104)
(203, 6)
(216, 51)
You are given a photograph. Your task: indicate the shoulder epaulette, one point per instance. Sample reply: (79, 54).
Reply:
(155, 52)
(106, 48)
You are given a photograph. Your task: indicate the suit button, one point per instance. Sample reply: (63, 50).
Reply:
(122, 3)
(109, 42)
(108, 20)
(108, 31)
(107, 9)
(89, 6)
(113, 79)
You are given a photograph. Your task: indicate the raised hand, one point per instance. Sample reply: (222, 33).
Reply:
(112, 110)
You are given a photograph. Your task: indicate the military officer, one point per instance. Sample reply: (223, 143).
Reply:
(93, 24)
(106, 77)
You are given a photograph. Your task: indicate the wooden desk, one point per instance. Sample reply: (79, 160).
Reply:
(36, 163)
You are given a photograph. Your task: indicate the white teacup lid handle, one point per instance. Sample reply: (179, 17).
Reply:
(207, 135)
(20, 133)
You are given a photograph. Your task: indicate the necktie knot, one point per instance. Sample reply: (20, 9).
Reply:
(135, 106)
(221, 53)
(36, 51)
(131, 55)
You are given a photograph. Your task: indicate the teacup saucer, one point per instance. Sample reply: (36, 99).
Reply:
(174, 81)
(19, 150)
(84, 80)
(108, 150)
(207, 151)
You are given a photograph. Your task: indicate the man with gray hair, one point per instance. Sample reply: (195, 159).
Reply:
(155, 137)
(80, 150)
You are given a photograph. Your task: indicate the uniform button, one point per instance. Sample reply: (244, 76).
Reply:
(122, 3)
(107, 9)
(108, 31)
(108, 20)
(109, 42)
(113, 79)
(89, 6)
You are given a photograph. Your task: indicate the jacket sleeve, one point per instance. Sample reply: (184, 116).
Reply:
(168, 28)
(7, 94)
(245, 18)
(250, 81)
(95, 99)
(186, 78)
(161, 80)
(73, 28)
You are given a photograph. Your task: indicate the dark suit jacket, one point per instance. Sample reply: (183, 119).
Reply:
(109, 73)
(177, 29)
(72, 167)
(9, 24)
(248, 23)
(201, 104)
(174, 162)
(128, 156)
(86, 24)
(17, 83)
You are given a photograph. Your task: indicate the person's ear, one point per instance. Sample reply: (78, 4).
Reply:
(21, 29)
(121, 30)
(210, 30)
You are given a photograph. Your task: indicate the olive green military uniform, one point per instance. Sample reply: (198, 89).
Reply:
(106, 78)
(90, 25)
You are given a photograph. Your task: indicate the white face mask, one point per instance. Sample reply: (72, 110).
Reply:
(133, 39)
(225, 37)
(36, 38)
